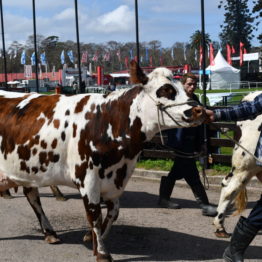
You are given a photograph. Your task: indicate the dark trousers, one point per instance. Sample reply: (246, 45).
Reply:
(184, 168)
(255, 216)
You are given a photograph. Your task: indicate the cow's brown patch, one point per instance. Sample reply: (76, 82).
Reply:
(120, 176)
(67, 113)
(23, 124)
(54, 143)
(24, 167)
(63, 136)
(34, 151)
(35, 169)
(66, 124)
(43, 144)
(167, 91)
(23, 152)
(99, 118)
(80, 172)
(56, 123)
(74, 129)
(80, 105)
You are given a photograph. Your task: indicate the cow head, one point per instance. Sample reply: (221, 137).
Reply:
(165, 100)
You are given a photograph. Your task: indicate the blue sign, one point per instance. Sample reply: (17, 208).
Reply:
(208, 72)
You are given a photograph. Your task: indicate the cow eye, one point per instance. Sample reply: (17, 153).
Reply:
(167, 91)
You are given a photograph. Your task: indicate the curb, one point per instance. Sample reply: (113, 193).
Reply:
(214, 182)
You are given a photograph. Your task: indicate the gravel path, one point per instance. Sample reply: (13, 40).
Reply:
(143, 232)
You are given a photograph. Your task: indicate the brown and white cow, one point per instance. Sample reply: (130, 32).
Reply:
(244, 167)
(91, 142)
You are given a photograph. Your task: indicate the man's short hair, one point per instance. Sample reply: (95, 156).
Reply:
(186, 76)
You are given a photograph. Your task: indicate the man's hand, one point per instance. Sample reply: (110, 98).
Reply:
(210, 116)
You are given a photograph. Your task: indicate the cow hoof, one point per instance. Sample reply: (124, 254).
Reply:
(104, 258)
(50, 239)
(88, 237)
(6, 196)
(222, 234)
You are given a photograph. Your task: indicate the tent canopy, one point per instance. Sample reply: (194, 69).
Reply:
(223, 75)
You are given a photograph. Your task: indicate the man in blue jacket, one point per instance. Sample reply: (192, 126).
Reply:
(189, 141)
(246, 228)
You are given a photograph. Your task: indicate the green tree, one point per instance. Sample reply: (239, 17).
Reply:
(238, 23)
(196, 40)
(258, 9)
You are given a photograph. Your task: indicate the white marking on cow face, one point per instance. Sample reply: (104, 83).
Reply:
(92, 146)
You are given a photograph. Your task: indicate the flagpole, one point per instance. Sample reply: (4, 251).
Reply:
(81, 88)
(3, 41)
(137, 33)
(35, 47)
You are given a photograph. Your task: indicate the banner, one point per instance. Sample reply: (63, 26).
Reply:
(71, 56)
(241, 52)
(84, 57)
(43, 58)
(28, 71)
(62, 57)
(23, 58)
(33, 62)
(211, 55)
(229, 60)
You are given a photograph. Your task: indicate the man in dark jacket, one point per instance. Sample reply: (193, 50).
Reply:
(189, 141)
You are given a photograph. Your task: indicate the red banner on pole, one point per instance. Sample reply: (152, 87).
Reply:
(229, 60)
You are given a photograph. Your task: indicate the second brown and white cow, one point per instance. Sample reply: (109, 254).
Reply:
(91, 142)
(244, 167)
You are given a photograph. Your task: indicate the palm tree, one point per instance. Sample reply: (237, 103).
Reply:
(196, 39)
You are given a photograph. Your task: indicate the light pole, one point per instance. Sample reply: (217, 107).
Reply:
(81, 88)
(3, 41)
(35, 47)
(137, 33)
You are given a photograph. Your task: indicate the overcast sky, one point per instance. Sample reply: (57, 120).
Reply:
(100, 21)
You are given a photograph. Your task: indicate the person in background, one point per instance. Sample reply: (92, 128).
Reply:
(189, 141)
(246, 228)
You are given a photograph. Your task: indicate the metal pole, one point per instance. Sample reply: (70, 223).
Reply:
(81, 88)
(203, 43)
(35, 47)
(137, 33)
(3, 42)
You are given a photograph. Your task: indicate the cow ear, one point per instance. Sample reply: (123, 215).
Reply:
(137, 76)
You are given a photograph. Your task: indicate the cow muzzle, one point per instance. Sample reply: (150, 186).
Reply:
(195, 114)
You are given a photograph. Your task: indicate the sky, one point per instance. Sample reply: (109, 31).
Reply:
(100, 21)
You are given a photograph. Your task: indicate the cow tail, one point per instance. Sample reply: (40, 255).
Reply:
(241, 201)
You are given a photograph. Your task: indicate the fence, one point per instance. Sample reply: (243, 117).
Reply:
(155, 150)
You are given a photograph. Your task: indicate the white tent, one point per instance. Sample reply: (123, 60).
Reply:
(222, 74)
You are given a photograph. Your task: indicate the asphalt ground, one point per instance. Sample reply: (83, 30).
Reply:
(143, 231)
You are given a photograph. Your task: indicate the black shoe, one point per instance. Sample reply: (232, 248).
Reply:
(209, 210)
(165, 203)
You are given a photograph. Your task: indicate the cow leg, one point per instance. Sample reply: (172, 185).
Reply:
(230, 189)
(112, 214)
(57, 193)
(94, 217)
(6, 194)
(33, 198)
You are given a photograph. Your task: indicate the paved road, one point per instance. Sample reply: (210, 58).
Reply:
(143, 231)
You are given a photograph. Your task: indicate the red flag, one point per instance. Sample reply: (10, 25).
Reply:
(211, 54)
(229, 60)
(95, 57)
(241, 52)
(126, 62)
(84, 57)
(200, 56)
(233, 51)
